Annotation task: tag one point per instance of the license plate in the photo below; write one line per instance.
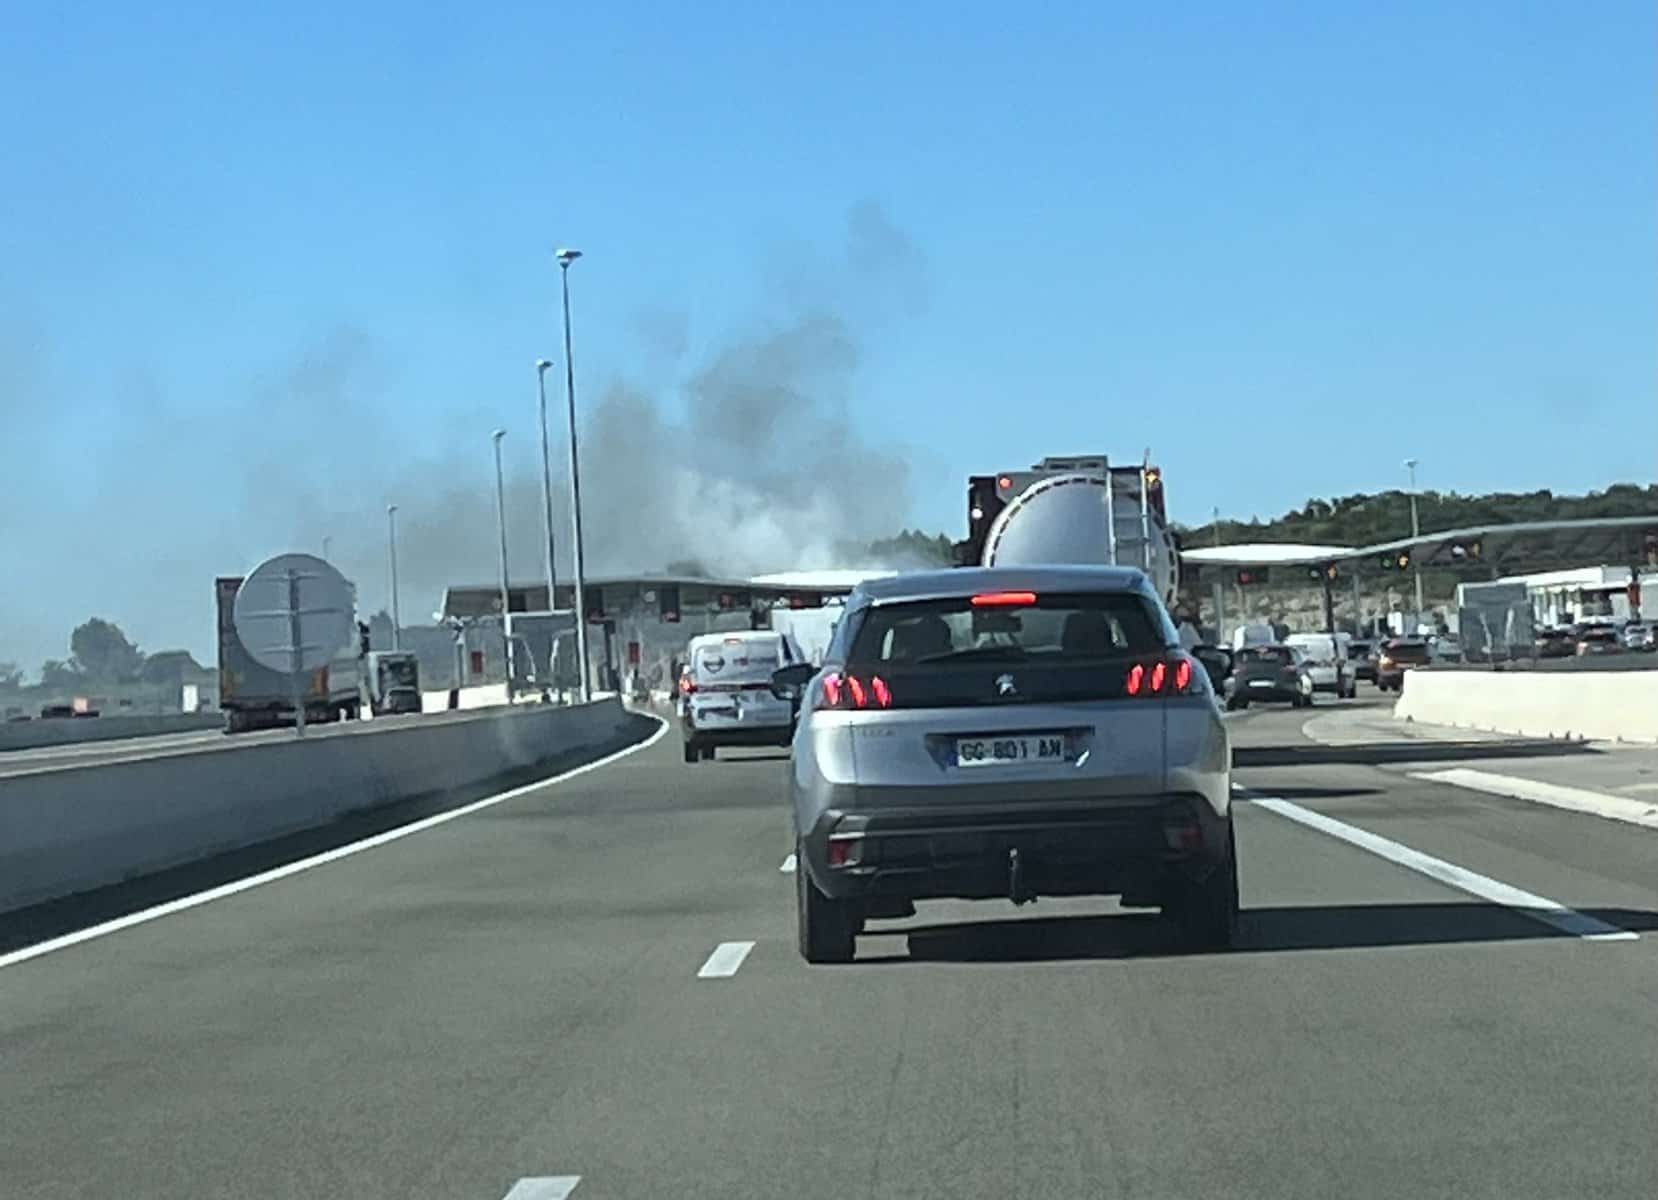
(1007, 751)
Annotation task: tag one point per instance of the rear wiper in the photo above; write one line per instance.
(976, 652)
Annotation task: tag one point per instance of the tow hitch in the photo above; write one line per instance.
(1017, 890)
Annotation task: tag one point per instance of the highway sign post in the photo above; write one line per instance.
(293, 614)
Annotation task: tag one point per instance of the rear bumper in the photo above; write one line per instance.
(1071, 848)
(737, 735)
(1247, 691)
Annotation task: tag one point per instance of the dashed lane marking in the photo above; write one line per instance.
(544, 1187)
(725, 961)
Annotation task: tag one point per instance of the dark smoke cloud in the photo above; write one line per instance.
(742, 456)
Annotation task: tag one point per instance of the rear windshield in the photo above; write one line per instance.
(1272, 655)
(1407, 649)
(1055, 629)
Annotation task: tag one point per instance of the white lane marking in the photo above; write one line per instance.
(788, 865)
(544, 1187)
(1614, 808)
(1539, 908)
(726, 959)
(197, 899)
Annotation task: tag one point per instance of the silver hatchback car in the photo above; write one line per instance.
(1007, 732)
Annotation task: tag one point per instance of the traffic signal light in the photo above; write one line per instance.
(595, 603)
(1395, 562)
(1249, 576)
(667, 600)
(1154, 492)
(1467, 551)
(1327, 571)
(984, 502)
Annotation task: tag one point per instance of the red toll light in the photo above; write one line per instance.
(1004, 482)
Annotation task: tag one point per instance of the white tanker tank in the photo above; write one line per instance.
(1083, 510)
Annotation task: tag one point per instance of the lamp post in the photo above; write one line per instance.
(391, 543)
(501, 528)
(584, 692)
(541, 367)
(1415, 532)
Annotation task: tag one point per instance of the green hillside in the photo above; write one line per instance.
(1363, 520)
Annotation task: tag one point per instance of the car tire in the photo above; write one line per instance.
(693, 752)
(1237, 704)
(708, 754)
(827, 929)
(1207, 910)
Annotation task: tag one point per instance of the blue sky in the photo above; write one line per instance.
(265, 272)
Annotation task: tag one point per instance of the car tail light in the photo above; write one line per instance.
(686, 685)
(850, 691)
(1004, 599)
(1170, 676)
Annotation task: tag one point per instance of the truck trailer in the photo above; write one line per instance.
(253, 696)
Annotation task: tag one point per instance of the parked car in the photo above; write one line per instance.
(1327, 662)
(1363, 655)
(1270, 673)
(1599, 639)
(1554, 643)
(1007, 733)
(1445, 647)
(1638, 635)
(1399, 655)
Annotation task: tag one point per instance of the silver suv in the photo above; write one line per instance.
(1007, 732)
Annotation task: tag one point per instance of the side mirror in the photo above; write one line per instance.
(788, 682)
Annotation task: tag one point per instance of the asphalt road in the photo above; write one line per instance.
(515, 994)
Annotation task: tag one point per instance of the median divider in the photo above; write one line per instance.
(83, 827)
(1601, 706)
(64, 731)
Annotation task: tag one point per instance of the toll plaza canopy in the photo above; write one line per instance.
(1502, 548)
(612, 595)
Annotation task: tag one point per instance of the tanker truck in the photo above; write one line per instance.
(1072, 510)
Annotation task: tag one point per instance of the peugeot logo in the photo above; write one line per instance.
(1004, 686)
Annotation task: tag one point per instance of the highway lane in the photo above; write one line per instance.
(515, 994)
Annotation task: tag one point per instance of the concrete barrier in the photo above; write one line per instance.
(63, 731)
(1606, 706)
(71, 830)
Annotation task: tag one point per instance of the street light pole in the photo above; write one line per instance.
(501, 527)
(584, 692)
(1415, 532)
(541, 367)
(391, 542)
(327, 545)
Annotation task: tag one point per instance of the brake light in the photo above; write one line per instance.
(1164, 677)
(1004, 599)
(848, 691)
(686, 685)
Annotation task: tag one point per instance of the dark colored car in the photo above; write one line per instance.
(1267, 673)
(1399, 655)
(1363, 656)
(1554, 643)
(1599, 639)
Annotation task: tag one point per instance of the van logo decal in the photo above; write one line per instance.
(713, 663)
(1004, 686)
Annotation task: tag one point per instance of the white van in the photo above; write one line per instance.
(1328, 661)
(725, 692)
